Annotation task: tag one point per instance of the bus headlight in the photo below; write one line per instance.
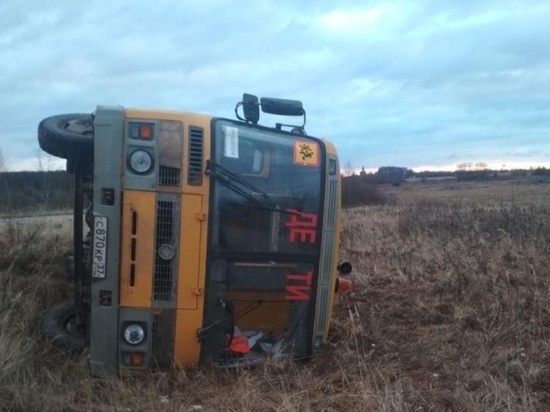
(140, 161)
(134, 334)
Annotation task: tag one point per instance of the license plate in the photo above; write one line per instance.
(100, 247)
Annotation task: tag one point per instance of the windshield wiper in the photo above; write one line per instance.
(229, 180)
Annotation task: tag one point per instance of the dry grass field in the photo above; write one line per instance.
(451, 312)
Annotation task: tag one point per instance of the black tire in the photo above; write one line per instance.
(69, 136)
(61, 328)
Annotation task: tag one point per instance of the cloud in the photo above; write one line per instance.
(390, 82)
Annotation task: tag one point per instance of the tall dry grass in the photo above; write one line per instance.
(457, 297)
(451, 312)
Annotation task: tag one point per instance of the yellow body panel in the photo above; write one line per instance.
(187, 348)
(194, 219)
(191, 279)
(137, 246)
(190, 288)
(192, 242)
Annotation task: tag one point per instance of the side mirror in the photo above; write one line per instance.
(282, 107)
(251, 108)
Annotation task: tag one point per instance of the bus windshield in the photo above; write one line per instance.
(267, 189)
(264, 247)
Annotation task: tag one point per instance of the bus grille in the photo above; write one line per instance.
(195, 153)
(166, 248)
(323, 306)
(169, 176)
(332, 196)
(162, 342)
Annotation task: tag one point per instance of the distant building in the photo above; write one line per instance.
(393, 174)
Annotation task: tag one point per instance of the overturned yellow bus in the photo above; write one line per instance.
(208, 240)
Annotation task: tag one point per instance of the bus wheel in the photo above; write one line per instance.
(62, 328)
(67, 135)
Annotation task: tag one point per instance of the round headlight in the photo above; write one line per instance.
(134, 334)
(141, 161)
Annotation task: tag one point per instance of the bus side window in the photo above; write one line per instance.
(259, 163)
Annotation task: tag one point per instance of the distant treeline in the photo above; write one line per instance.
(394, 174)
(30, 191)
(22, 192)
(540, 171)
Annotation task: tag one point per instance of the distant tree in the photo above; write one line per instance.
(462, 167)
(25, 191)
(469, 166)
(44, 164)
(357, 191)
(3, 165)
(348, 171)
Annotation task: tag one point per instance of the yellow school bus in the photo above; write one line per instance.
(205, 239)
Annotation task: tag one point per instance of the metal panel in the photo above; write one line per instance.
(108, 147)
(133, 180)
(128, 316)
(328, 265)
(170, 153)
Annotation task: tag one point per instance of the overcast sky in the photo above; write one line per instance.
(402, 83)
